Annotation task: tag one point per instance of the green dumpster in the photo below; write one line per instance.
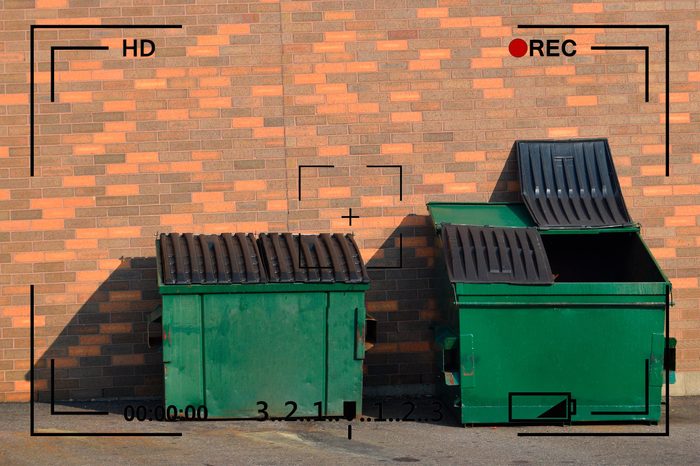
(267, 327)
(554, 308)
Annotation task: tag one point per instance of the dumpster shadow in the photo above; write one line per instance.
(507, 187)
(402, 299)
(103, 352)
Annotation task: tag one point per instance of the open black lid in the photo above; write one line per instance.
(571, 184)
(478, 254)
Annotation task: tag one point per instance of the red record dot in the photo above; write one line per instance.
(517, 47)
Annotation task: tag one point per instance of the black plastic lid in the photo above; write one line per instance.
(324, 258)
(571, 184)
(477, 254)
(210, 259)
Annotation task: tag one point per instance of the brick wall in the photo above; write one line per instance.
(206, 136)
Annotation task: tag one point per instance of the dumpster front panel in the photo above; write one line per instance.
(267, 348)
(601, 357)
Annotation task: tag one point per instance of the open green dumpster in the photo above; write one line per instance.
(554, 308)
(267, 327)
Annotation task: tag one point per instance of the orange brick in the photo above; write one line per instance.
(685, 221)
(21, 257)
(213, 40)
(77, 96)
(122, 190)
(499, 93)
(496, 31)
(277, 205)
(652, 170)
(202, 51)
(334, 108)
(400, 148)
(14, 99)
(109, 138)
(150, 84)
(267, 90)
(581, 100)
(176, 219)
(76, 181)
(248, 122)
(486, 62)
(387, 45)
(51, 3)
(123, 232)
(328, 151)
(406, 116)
(215, 102)
(563, 132)
(250, 185)
(119, 106)
(431, 54)
(474, 156)
(141, 157)
(432, 12)
(328, 47)
(455, 22)
(483, 21)
(272, 132)
(334, 192)
(415, 65)
(66, 212)
(361, 66)
(458, 188)
(663, 253)
(487, 83)
(438, 178)
(81, 243)
(675, 118)
(88, 149)
(310, 78)
(587, 7)
(125, 126)
(234, 29)
(686, 190)
(173, 114)
(404, 96)
(657, 190)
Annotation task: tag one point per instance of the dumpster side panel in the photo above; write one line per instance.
(599, 355)
(265, 347)
(182, 350)
(346, 319)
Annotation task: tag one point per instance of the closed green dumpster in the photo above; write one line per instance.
(262, 327)
(555, 308)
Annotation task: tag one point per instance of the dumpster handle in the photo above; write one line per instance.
(155, 316)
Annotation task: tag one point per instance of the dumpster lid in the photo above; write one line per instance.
(227, 258)
(478, 254)
(324, 258)
(571, 184)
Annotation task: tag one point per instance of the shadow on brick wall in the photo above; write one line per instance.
(103, 352)
(507, 187)
(403, 302)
